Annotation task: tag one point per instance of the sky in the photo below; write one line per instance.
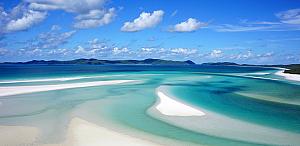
(241, 31)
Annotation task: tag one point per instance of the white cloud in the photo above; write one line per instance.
(80, 50)
(167, 53)
(145, 20)
(73, 6)
(19, 18)
(290, 16)
(93, 14)
(188, 26)
(61, 52)
(97, 44)
(117, 50)
(216, 53)
(148, 49)
(94, 18)
(90, 13)
(96, 48)
(246, 55)
(183, 51)
(249, 55)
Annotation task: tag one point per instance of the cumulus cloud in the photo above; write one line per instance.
(246, 55)
(90, 13)
(26, 21)
(216, 53)
(73, 6)
(82, 51)
(117, 50)
(145, 20)
(188, 26)
(166, 53)
(183, 51)
(58, 52)
(290, 16)
(19, 18)
(95, 18)
(95, 48)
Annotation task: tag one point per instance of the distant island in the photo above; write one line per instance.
(290, 68)
(107, 62)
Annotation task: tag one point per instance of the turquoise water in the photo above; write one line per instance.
(125, 107)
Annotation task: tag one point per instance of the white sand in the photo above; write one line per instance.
(294, 77)
(15, 90)
(170, 107)
(84, 133)
(48, 79)
(80, 133)
(17, 135)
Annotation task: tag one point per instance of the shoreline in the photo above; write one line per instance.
(16, 90)
(287, 76)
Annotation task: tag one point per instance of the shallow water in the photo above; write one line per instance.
(270, 104)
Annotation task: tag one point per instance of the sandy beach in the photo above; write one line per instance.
(18, 135)
(84, 133)
(171, 107)
(293, 77)
(15, 90)
(80, 133)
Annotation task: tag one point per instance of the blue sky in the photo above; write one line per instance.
(242, 31)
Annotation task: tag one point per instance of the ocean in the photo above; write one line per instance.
(242, 106)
